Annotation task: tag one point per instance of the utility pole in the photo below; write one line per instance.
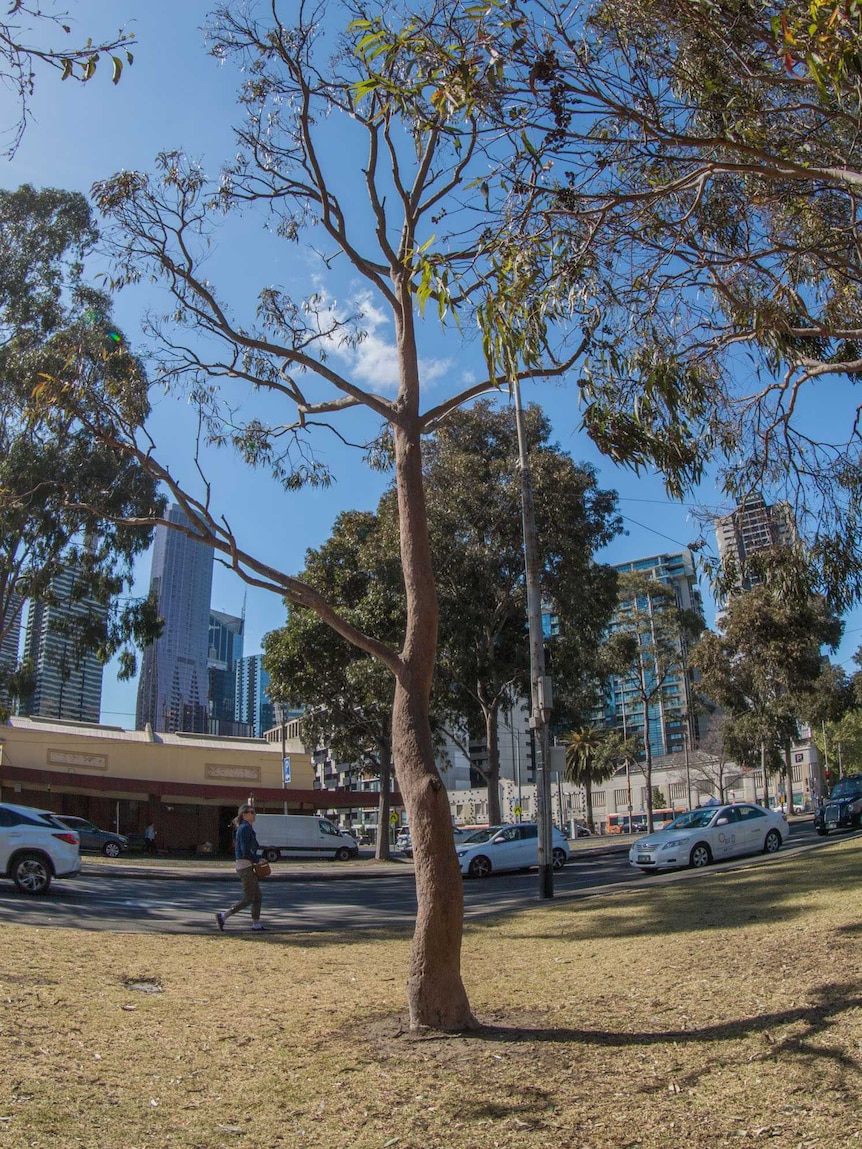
(540, 686)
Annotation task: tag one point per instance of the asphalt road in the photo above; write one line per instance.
(102, 901)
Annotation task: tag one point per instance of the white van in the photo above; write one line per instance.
(301, 836)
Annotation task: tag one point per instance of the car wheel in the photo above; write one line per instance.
(700, 856)
(560, 857)
(822, 833)
(31, 874)
(271, 855)
(773, 842)
(480, 867)
(111, 850)
(343, 855)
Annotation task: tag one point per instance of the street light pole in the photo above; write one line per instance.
(540, 686)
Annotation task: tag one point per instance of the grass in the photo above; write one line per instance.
(721, 1011)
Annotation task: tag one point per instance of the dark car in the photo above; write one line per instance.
(842, 810)
(92, 838)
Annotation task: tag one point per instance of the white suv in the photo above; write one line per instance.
(36, 847)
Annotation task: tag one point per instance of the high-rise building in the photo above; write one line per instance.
(671, 719)
(225, 651)
(10, 642)
(754, 526)
(68, 683)
(174, 682)
(253, 706)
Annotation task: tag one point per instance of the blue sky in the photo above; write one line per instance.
(175, 96)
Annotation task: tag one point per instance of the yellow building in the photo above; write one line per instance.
(188, 785)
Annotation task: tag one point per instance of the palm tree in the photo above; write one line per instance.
(582, 769)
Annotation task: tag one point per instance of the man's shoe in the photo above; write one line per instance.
(220, 921)
(258, 927)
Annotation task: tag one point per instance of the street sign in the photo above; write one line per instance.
(518, 811)
(285, 762)
(393, 819)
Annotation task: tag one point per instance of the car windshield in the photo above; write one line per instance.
(847, 788)
(482, 835)
(693, 820)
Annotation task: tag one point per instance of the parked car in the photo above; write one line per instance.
(842, 810)
(35, 847)
(710, 834)
(92, 838)
(512, 847)
(404, 842)
(482, 835)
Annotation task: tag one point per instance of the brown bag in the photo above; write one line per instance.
(262, 869)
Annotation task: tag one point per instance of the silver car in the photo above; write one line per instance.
(710, 834)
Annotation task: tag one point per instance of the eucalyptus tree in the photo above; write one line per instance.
(25, 49)
(345, 692)
(648, 651)
(696, 168)
(414, 221)
(64, 496)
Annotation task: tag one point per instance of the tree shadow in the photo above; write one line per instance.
(830, 1001)
(722, 900)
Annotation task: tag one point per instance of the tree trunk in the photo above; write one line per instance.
(765, 775)
(588, 799)
(492, 773)
(788, 779)
(436, 995)
(381, 850)
(435, 991)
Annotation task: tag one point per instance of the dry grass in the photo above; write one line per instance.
(723, 1011)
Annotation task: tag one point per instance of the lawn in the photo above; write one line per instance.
(721, 1011)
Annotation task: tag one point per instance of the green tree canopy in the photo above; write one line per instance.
(65, 498)
(347, 694)
(762, 667)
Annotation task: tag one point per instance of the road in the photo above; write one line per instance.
(174, 905)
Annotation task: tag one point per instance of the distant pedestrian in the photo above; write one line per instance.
(247, 854)
(150, 839)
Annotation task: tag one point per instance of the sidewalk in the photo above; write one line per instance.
(319, 870)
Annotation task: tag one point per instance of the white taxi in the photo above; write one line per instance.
(710, 834)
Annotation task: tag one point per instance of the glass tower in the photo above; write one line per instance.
(68, 682)
(174, 682)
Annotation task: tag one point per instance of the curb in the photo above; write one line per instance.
(315, 872)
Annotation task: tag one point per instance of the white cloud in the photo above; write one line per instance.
(373, 361)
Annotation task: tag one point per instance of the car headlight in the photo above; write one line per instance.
(673, 843)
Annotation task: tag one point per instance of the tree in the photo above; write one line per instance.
(21, 54)
(346, 693)
(412, 94)
(649, 648)
(712, 768)
(63, 497)
(761, 667)
(710, 152)
(584, 766)
(474, 512)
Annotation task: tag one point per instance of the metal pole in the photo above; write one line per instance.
(540, 693)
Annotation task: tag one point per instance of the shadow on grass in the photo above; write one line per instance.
(728, 899)
(830, 1002)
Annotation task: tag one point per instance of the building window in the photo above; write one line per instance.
(677, 791)
(599, 798)
(621, 799)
